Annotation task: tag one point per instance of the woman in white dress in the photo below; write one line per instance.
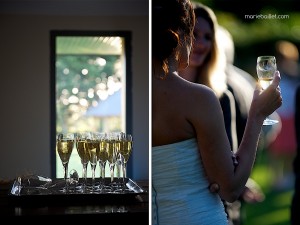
(190, 148)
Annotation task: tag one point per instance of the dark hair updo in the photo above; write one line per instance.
(168, 18)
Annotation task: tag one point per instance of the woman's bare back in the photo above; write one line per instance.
(180, 104)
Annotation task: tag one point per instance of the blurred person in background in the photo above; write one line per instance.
(208, 66)
(282, 150)
(239, 82)
(295, 216)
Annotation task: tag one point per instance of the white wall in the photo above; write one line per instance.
(25, 77)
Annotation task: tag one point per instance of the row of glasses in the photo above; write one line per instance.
(113, 148)
(88, 148)
(119, 148)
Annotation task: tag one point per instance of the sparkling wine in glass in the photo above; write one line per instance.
(93, 144)
(64, 148)
(266, 68)
(111, 155)
(102, 158)
(82, 149)
(125, 151)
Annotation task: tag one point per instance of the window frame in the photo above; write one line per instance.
(128, 84)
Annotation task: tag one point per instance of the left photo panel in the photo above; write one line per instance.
(76, 116)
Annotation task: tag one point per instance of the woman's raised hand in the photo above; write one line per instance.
(265, 102)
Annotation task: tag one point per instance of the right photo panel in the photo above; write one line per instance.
(225, 122)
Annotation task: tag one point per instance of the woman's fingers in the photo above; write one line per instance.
(276, 80)
(214, 188)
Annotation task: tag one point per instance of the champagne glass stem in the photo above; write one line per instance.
(102, 174)
(84, 175)
(65, 170)
(103, 170)
(118, 173)
(93, 167)
(112, 169)
(124, 176)
(124, 170)
(66, 175)
(118, 165)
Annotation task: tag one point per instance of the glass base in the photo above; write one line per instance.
(268, 122)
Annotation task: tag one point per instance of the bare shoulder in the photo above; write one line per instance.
(203, 103)
(200, 94)
(204, 91)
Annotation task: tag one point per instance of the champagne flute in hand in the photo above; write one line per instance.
(64, 148)
(266, 68)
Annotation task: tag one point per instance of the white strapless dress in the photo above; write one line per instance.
(180, 193)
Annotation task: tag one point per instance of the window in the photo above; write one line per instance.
(90, 87)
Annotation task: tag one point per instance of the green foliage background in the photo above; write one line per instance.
(253, 37)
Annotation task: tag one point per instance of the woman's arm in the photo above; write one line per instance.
(214, 145)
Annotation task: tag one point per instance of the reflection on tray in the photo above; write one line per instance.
(37, 185)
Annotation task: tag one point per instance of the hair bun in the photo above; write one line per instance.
(166, 44)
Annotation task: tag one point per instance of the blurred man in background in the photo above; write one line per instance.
(283, 148)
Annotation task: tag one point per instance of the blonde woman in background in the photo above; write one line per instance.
(208, 64)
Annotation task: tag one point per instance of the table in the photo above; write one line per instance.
(37, 209)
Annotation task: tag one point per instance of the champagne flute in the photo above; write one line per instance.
(125, 151)
(111, 155)
(64, 148)
(102, 158)
(266, 68)
(118, 164)
(82, 149)
(93, 144)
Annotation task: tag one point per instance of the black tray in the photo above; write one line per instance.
(51, 193)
